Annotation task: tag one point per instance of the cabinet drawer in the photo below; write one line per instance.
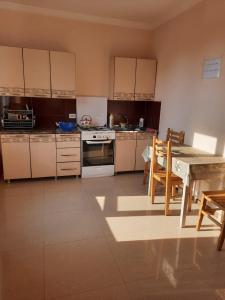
(68, 168)
(128, 135)
(68, 154)
(71, 144)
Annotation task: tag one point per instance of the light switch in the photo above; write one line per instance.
(72, 116)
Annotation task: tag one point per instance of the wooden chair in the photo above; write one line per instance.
(162, 150)
(217, 199)
(176, 137)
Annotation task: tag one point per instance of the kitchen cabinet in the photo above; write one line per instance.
(134, 79)
(16, 156)
(68, 154)
(11, 71)
(125, 151)
(43, 155)
(124, 78)
(143, 139)
(37, 73)
(129, 149)
(62, 74)
(145, 79)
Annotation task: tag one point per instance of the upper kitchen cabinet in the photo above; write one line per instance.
(11, 71)
(37, 73)
(124, 78)
(62, 74)
(145, 79)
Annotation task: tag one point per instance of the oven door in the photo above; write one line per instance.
(98, 153)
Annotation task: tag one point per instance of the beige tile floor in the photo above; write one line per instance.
(101, 238)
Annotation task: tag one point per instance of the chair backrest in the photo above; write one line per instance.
(161, 150)
(176, 137)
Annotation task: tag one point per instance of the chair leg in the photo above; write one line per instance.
(174, 192)
(221, 237)
(167, 198)
(200, 215)
(153, 186)
(146, 172)
(190, 196)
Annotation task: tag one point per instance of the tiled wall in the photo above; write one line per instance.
(47, 111)
(134, 110)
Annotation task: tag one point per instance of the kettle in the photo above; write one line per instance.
(86, 120)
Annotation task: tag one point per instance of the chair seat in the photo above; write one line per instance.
(161, 177)
(216, 197)
(211, 202)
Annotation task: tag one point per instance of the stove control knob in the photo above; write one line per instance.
(94, 136)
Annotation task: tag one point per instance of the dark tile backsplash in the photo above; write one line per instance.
(47, 111)
(134, 110)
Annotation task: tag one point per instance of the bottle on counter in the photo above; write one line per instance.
(111, 120)
(141, 122)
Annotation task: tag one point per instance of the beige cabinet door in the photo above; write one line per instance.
(143, 139)
(62, 74)
(37, 73)
(125, 155)
(139, 163)
(124, 78)
(16, 156)
(145, 79)
(11, 71)
(43, 155)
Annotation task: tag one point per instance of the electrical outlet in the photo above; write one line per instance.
(72, 116)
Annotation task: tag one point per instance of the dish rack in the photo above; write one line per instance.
(16, 119)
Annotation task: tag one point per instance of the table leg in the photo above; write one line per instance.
(184, 205)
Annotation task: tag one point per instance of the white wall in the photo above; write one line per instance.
(189, 102)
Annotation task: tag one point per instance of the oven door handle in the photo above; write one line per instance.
(98, 142)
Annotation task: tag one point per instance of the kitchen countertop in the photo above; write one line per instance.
(37, 131)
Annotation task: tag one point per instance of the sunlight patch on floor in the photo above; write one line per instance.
(153, 227)
(101, 201)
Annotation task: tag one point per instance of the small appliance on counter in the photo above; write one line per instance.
(18, 119)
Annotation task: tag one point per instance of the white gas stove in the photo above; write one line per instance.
(97, 152)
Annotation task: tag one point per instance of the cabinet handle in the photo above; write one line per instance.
(68, 154)
(68, 169)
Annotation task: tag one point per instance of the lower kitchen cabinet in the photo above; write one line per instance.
(68, 154)
(43, 155)
(143, 139)
(68, 168)
(125, 151)
(129, 149)
(16, 156)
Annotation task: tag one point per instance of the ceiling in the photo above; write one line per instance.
(146, 14)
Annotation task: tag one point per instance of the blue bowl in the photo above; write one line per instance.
(67, 126)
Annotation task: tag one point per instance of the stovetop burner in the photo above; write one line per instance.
(95, 128)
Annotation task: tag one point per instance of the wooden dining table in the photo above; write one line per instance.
(191, 164)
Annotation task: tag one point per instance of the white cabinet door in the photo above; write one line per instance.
(124, 78)
(62, 74)
(125, 155)
(11, 71)
(145, 79)
(43, 155)
(15, 156)
(37, 73)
